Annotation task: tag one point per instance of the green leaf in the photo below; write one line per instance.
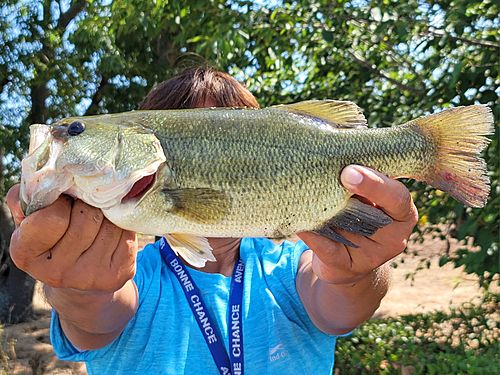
(443, 260)
(456, 73)
(327, 35)
(488, 96)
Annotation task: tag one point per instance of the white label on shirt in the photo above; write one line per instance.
(278, 353)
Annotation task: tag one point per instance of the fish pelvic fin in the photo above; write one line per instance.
(459, 135)
(193, 249)
(338, 113)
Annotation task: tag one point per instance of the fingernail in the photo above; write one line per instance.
(351, 176)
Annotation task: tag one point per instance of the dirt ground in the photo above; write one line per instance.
(29, 350)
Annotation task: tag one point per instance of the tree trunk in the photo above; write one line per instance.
(16, 287)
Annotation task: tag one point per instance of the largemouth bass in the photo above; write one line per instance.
(191, 174)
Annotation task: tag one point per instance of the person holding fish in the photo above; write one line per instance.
(214, 294)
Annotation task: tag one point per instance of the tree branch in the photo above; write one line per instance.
(476, 42)
(38, 112)
(380, 73)
(396, 56)
(165, 48)
(46, 13)
(71, 13)
(97, 97)
(3, 83)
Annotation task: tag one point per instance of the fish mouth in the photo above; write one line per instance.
(140, 188)
(41, 182)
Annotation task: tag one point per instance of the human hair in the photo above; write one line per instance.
(199, 87)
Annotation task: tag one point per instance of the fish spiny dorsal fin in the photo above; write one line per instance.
(338, 113)
(193, 249)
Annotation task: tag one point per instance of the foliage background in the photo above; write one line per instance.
(397, 60)
(463, 341)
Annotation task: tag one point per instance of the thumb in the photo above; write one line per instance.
(12, 200)
(391, 195)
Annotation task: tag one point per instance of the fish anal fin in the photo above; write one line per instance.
(338, 113)
(360, 218)
(331, 233)
(200, 205)
(193, 249)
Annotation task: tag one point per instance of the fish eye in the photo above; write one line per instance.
(76, 128)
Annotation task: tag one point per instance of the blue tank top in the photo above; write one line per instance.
(164, 338)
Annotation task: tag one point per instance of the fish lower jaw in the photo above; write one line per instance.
(112, 192)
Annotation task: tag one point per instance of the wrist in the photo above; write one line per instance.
(338, 277)
(94, 311)
(57, 296)
(77, 305)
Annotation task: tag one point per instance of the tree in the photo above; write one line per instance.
(398, 60)
(63, 58)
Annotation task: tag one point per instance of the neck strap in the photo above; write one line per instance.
(231, 364)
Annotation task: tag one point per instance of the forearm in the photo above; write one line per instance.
(91, 320)
(345, 306)
(339, 308)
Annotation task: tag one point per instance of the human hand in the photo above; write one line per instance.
(336, 263)
(70, 244)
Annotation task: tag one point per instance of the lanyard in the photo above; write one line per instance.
(227, 365)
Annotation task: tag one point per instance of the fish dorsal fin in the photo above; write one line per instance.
(338, 113)
(193, 249)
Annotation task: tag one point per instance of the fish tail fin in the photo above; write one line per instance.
(459, 135)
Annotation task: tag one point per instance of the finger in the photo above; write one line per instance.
(84, 225)
(126, 250)
(342, 264)
(113, 274)
(41, 230)
(329, 251)
(391, 195)
(106, 242)
(124, 257)
(14, 204)
(320, 243)
(394, 235)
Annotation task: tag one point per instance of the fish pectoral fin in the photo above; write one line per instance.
(193, 249)
(338, 113)
(356, 217)
(203, 205)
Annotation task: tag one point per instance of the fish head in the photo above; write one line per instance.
(96, 159)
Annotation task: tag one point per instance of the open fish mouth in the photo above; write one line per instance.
(140, 188)
(41, 184)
